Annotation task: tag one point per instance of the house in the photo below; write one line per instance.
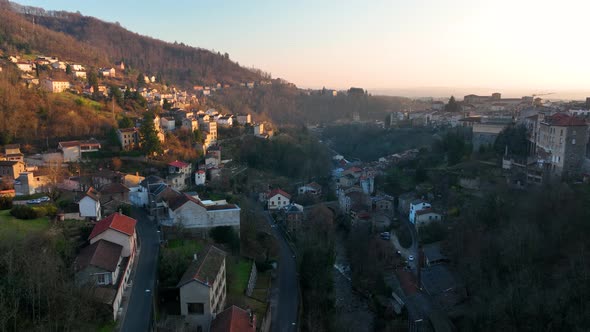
(278, 199)
(179, 174)
(117, 228)
(416, 206)
(244, 119)
(259, 129)
(102, 267)
(200, 216)
(25, 66)
(561, 144)
(89, 205)
(293, 216)
(167, 123)
(200, 177)
(29, 183)
(426, 216)
(54, 86)
(112, 196)
(203, 288)
(234, 319)
(10, 170)
(120, 65)
(225, 121)
(107, 72)
(99, 263)
(72, 150)
(128, 137)
(12, 153)
(191, 124)
(312, 188)
(79, 74)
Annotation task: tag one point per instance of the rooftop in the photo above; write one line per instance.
(205, 268)
(115, 221)
(233, 319)
(102, 254)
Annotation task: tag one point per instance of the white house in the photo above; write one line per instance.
(310, 188)
(200, 177)
(203, 288)
(416, 206)
(278, 199)
(167, 123)
(426, 216)
(201, 216)
(117, 228)
(89, 205)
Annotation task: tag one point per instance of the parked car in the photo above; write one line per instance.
(44, 199)
(33, 201)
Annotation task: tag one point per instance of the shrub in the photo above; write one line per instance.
(5, 203)
(23, 212)
(226, 235)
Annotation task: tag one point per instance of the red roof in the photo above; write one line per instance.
(178, 164)
(277, 192)
(564, 120)
(233, 319)
(115, 221)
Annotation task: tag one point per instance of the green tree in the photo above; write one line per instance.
(125, 122)
(150, 143)
(68, 69)
(93, 80)
(514, 138)
(452, 105)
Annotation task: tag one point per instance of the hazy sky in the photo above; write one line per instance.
(501, 44)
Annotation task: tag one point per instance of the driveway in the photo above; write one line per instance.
(139, 315)
(285, 297)
(413, 249)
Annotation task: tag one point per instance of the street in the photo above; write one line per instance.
(139, 315)
(285, 297)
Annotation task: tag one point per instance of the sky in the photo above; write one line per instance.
(504, 45)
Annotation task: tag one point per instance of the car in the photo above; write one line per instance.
(33, 201)
(399, 253)
(411, 258)
(44, 199)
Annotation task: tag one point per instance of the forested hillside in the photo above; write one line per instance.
(91, 41)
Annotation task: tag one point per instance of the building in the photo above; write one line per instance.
(12, 153)
(199, 216)
(107, 72)
(200, 177)
(426, 216)
(167, 123)
(561, 144)
(72, 150)
(29, 183)
(234, 319)
(416, 206)
(179, 174)
(54, 86)
(10, 170)
(117, 228)
(129, 138)
(259, 129)
(25, 66)
(203, 288)
(244, 119)
(278, 199)
(99, 264)
(89, 205)
(312, 188)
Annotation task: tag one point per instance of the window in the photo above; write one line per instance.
(196, 308)
(101, 279)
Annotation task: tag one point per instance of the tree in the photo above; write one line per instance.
(125, 122)
(514, 138)
(150, 143)
(452, 105)
(68, 69)
(140, 81)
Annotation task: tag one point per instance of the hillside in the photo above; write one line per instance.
(91, 41)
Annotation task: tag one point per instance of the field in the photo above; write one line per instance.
(11, 227)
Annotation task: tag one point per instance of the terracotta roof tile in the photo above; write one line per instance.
(277, 192)
(233, 319)
(205, 268)
(115, 221)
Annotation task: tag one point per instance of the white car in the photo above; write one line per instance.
(44, 199)
(411, 258)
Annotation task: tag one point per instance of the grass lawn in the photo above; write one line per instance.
(11, 227)
(238, 272)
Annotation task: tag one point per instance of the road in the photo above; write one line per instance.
(285, 297)
(138, 316)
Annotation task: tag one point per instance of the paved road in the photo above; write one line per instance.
(138, 316)
(285, 298)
